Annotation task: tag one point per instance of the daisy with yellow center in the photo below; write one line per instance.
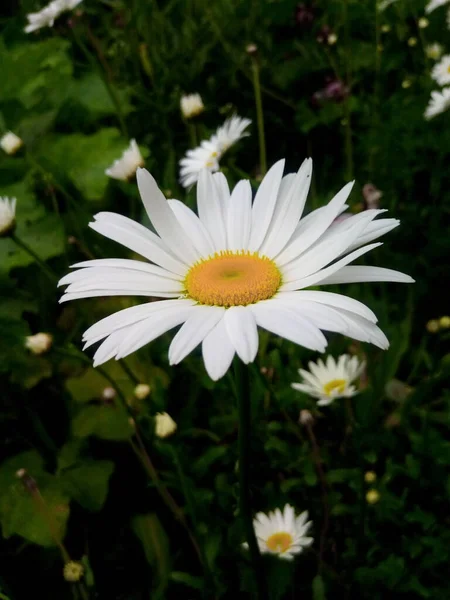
(331, 380)
(238, 265)
(282, 533)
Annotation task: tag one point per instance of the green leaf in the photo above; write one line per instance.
(88, 483)
(196, 583)
(318, 588)
(155, 544)
(106, 422)
(31, 461)
(91, 92)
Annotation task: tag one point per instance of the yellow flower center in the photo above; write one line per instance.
(335, 384)
(233, 279)
(448, 69)
(279, 542)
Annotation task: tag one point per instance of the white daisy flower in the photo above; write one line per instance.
(330, 380)
(7, 215)
(441, 71)
(439, 103)
(236, 266)
(47, 16)
(434, 51)
(191, 105)
(125, 167)
(282, 533)
(384, 4)
(10, 143)
(433, 4)
(208, 154)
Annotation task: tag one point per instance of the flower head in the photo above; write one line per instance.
(282, 533)
(39, 343)
(125, 167)
(433, 4)
(164, 425)
(439, 103)
(207, 155)
(142, 390)
(191, 105)
(47, 16)
(434, 51)
(370, 476)
(10, 143)
(73, 571)
(372, 497)
(7, 215)
(441, 70)
(236, 266)
(330, 380)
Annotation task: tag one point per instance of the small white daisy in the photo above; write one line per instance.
(233, 268)
(441, 71)
(282, 533)
(126, 166)
(191, 105)
(434, 51)
(208, 154)
(330, 380)
(10, 143)
(7, 215)
(47, 16)
(439, 103)
(433, 4)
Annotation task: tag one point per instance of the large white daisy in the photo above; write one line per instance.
(282, 533)
(439, 103)
(236, 266)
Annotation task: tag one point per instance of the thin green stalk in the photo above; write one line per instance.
(193, 139)
(348, 124)
(242, 380)
(259, 116)
(45, 269)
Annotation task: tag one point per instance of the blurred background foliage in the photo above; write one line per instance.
(113, 70)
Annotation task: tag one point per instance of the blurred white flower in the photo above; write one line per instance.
(434, 51)
(330, 380)
(7, 215)
(384, 4)
(207, 155)
(282, 533)
(433, 4)
(47, 16)
(10, 142)
(441, 71)
(191, 105)
(126, 166)
(39, 343)
(439, 103)
(164, 425)
(142, 390)
(423, 22)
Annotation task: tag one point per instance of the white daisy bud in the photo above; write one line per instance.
(7, 215)
(39, 343)
(108, 393)
(164, 425)
(191, 105)
(10, 143)
(126, 166)
(141, 391)
(305, 417)
(434, 51)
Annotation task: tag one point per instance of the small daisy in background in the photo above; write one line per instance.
(439, 103)
(7, 215)
(282, 533)
(208, 154)
(10, 143)
(191, 105)
(433, 4)
(331, 380)
(126, 166)
(441, 71)
(434, 51)
(47, 16)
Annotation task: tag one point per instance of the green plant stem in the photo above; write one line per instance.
(132, 377)
(193, 139)
(347, 109)
(44, 268)
(242, 386)
(259, 116)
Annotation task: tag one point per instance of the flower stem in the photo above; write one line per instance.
(242, 388)
(259, 116)
(45, 269)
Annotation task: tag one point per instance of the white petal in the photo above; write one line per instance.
(241, 327)
(108, 349)
(331, 299)
(194, 331)
(130, 292)
(288, 210)
(218, 351)
(264, 205)
(163, 219)
(119, 279)
(355, 274)
(278, 319)
(210, 210)
(135, 265)
(374, 230)
(223, 191)
(239, 216)
(193, 227)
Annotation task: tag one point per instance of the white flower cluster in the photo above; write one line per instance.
(47, 16)
(440, 99)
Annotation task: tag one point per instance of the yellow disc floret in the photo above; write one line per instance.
(279, 542)
(233, 279)
(335, 384)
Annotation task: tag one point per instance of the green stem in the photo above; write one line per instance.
(45, 269)
(242, 380)
(347, 109)
(193, 140)
(259, 116)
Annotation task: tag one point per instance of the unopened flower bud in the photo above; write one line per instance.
(305, 417)
(39, 343)
(332, 39)
(164, 425)
(251, 49)
(73, 571)
(108, 393)
(10, 143)
(28, 482)
(385, 28)
(142, 390)
(372, 496)
(444, 322)
(412, 41)
(432, 326)
(7, 216)
(370, 477)
(423, 23)
(191, 105)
